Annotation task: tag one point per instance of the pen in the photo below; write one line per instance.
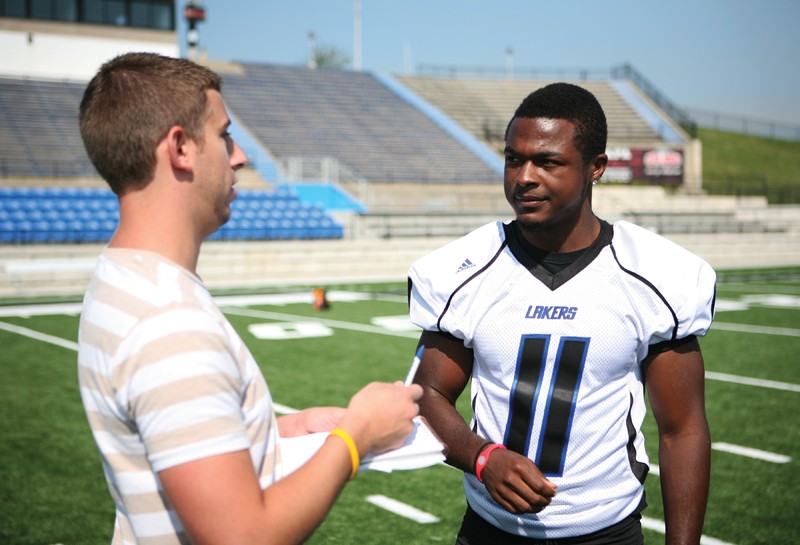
(414, 365)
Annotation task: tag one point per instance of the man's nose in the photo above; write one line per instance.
(238, 157)
(527, 173)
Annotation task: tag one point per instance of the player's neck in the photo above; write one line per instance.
(564, 236)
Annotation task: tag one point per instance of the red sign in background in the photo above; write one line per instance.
(657, 166)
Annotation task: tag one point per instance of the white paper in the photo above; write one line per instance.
(420, 449)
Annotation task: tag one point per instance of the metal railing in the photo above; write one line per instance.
(315, 169)
(745, 125)
(582, 74)
(688, 118)
(626, 71)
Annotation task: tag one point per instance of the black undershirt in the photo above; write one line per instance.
(553, 262)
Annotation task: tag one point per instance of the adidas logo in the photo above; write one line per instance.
(467, 264)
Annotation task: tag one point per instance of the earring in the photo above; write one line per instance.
(594, 182)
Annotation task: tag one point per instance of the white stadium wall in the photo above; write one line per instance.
(73, 52)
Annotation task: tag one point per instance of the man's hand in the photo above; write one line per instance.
(516, 484)
(379, 417)
(311, 420)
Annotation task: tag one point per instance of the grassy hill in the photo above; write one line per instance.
(740, 164)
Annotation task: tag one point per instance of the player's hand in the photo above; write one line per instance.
(516, 484)
(379, 417)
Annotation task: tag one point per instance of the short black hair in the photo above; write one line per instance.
(575, 104)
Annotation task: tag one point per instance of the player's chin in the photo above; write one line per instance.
(528, 225)
(528, 220)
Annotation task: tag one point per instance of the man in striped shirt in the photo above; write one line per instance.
(179, 409)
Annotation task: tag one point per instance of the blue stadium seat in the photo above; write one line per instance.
(273, 228)
(107, 228)
(259, 229)
(24, 231)
(40, 231)
(8, 231)
(75, 214)
(74, 230)
(58, 231)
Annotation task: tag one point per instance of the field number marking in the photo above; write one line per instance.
(289, 330)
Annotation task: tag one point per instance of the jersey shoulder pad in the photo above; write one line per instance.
(458, 260)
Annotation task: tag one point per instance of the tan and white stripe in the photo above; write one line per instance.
(165, 380)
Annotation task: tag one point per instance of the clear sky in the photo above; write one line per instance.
(739, 57)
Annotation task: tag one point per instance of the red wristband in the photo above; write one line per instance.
(483, 459)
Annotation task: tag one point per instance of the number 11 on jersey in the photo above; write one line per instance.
(560, 402)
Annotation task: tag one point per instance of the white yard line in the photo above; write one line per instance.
(402, 509)
(658, 526)
(739, 450)
(752, 453)
(44, 337)
(53, 309)
(764, 330)
(747, 381)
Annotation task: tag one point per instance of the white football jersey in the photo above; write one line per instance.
(557, 374)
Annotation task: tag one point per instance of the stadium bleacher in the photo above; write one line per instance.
(39, 133)
(352, 116)
(484, 106)
(86, 215)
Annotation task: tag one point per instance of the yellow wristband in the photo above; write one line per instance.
(355, 459)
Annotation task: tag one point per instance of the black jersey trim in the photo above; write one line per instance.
(650, 285)
(526, 254)
(639, 469)
(663, 346)
(470, 279)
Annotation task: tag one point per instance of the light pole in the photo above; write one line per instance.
(357, 35)
(509, 63)
(194, 13)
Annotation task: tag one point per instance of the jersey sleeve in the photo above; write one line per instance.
(436, 277)
(696, 311)
(684, 282)
(181, 387)
(425, 301)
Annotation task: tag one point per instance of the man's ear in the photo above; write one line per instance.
(179, 149)
(599, 164)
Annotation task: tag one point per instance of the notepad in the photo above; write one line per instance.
(422, 448)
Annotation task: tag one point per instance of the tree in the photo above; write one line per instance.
(328, 56)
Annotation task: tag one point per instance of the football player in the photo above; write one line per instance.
(558, 320)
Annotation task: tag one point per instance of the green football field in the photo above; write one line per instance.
(52, 488)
